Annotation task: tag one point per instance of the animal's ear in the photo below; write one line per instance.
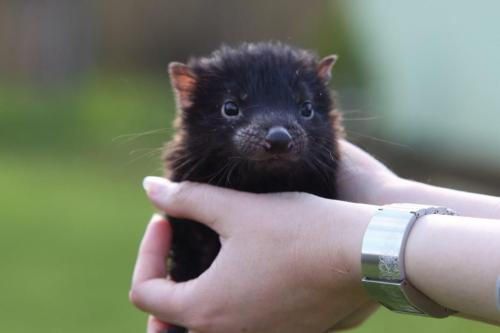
(325, 67)
(183, 82)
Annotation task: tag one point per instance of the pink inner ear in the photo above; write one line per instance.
(183, 89)
(325, 67)
(183, 82)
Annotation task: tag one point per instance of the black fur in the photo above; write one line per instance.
(270, 82)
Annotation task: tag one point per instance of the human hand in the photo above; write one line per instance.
(361, 177)
(289, 262)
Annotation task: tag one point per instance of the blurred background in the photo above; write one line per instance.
(85, 107)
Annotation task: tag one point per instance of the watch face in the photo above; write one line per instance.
(382, 257)
(388, 268)
(383, 243)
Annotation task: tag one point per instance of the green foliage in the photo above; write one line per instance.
(89, 116)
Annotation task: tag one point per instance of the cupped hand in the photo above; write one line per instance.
(289, 262)
(361, 177)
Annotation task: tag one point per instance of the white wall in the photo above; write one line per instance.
(434, 70)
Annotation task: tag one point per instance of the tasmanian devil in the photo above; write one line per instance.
(257, 118)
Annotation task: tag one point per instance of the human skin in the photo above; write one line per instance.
(277, 273)
(364, 179)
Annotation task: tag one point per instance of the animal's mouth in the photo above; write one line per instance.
(264, 156)
(281, 157)
(275, 161)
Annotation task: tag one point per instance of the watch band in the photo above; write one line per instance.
(382, 260)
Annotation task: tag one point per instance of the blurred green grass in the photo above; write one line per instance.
(73, 212)
(68, 239)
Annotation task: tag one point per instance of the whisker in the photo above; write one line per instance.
(374, 138)
(135, 151)
(228, 176)
(147, 154)
(352, 111)
(362, 118)
(214, 175)
(188, 173)
(125, 138)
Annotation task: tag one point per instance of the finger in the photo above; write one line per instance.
(153, 250)
(200, 202)
(359, 158)
(166, 300)
(351, 157)
(347, 147)
(151, 291)
(155, 325)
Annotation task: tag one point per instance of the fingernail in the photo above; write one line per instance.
(155, 187)
(156, 218)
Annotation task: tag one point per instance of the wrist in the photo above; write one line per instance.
(383, 259)
(354, 219)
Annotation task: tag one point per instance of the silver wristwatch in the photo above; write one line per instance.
(382, 260)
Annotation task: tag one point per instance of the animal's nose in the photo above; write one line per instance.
(278, 140)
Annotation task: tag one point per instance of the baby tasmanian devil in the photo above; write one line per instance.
(257, 118)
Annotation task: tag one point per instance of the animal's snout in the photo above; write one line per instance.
(278, 140)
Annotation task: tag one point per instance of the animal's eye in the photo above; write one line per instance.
(230, 109)
(307, 110)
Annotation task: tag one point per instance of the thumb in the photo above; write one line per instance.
(200, 202)
(151, 291)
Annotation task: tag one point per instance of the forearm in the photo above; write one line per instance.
(466, 204)
(454, 260)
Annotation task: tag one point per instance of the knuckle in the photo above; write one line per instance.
(135, 298)
(204, 320)
(182, 194)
